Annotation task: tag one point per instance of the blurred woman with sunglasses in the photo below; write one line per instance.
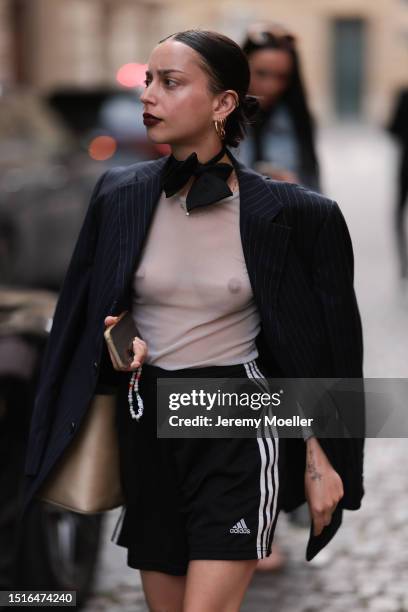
(281, 141)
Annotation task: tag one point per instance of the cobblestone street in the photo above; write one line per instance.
(364, 567)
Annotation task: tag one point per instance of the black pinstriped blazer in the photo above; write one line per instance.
(299, 259)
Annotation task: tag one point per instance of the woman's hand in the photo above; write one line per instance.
(323, 486)
(139, 350)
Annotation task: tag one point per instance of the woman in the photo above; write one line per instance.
(281, 142)
(207, 256)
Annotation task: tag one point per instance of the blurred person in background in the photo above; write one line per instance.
(281, 140)
(398, 127)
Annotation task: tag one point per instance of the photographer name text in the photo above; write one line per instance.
(271, 421)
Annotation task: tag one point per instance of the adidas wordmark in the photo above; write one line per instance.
(240, 527)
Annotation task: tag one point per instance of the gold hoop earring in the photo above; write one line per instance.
(220, 127)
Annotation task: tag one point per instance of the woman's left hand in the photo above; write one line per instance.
(323, 486)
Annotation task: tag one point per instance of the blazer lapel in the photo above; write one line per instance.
(264, 241)
(137, 201)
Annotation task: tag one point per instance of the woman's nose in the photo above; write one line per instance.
(146, 95)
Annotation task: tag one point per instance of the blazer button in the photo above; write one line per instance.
(73, 426)
(95, 365)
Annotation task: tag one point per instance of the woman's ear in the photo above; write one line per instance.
(225, 104)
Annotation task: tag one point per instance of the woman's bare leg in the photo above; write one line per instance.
(275, 562)
(163, 592)
(218, 586)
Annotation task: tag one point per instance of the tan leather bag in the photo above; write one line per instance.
(86, 479)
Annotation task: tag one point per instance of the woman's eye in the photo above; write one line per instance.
(167, 82)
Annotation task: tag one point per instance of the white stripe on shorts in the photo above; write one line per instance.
(269, 466)
(118, 526)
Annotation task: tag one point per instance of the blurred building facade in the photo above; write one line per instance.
(355, 52)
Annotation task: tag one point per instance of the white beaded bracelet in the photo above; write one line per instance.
(134, 388)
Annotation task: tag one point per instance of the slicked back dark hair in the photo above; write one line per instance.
(227, 68)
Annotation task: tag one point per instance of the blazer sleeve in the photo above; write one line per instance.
(68, 322)
(71, 305)
(333, 280)
(333, 276)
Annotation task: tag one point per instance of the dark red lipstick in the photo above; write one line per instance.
(150, 120)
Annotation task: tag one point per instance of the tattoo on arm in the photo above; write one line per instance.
(311, 467)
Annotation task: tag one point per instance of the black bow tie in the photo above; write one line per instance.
(209, 186)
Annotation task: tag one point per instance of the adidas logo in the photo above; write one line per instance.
(240, 527)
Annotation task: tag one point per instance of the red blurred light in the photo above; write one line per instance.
(131, 75)
(102, 148)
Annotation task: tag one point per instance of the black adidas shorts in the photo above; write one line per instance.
(200, 498)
